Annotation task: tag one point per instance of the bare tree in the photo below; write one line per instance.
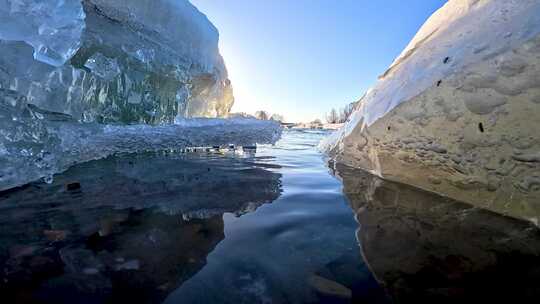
(277, 117)
(240, 115)
(262, 115)
(316, 124)
(346, 112)
(342, 116)
(332, 116)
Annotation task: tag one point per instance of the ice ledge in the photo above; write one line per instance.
(34, 148)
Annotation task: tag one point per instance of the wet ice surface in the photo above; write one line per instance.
(274, 227)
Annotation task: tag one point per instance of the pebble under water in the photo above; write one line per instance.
(277, 226)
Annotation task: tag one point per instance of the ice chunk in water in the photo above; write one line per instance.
(37, 144)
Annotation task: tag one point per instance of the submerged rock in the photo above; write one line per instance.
(467, 126)
(329, 288)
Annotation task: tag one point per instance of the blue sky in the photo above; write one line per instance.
(300, 58)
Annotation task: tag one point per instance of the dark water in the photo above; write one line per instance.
(274, 227)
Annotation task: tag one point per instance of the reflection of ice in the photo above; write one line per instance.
(191, 184)
(152, 217)
(422, 246)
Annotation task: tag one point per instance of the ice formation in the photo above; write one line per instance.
(118, 61)
(37, 143)
(81, 79)
(461, 33)
(458, 108)
(52, 27)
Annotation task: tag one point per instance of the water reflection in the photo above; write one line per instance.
(299, 249)
(150, 228)
(125, 229)
(423, 247)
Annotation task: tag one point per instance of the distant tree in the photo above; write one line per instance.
(316, 124)
(240, 115)
(332, 116)
(277, 117)
(262, 115)
(346, 112)
(341, 116)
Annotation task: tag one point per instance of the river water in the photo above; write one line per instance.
(275, 226)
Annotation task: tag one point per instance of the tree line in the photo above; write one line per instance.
(262, 115)
(340, 115)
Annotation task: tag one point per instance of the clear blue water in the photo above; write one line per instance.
(277, 226)
(271, 255)
(270, 227)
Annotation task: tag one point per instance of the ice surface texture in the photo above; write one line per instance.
(114, 61)
(459, 34)
(82, 79)
(52, 27)
(35, 143)
(458, 111)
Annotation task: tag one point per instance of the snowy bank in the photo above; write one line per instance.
(458, 111)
